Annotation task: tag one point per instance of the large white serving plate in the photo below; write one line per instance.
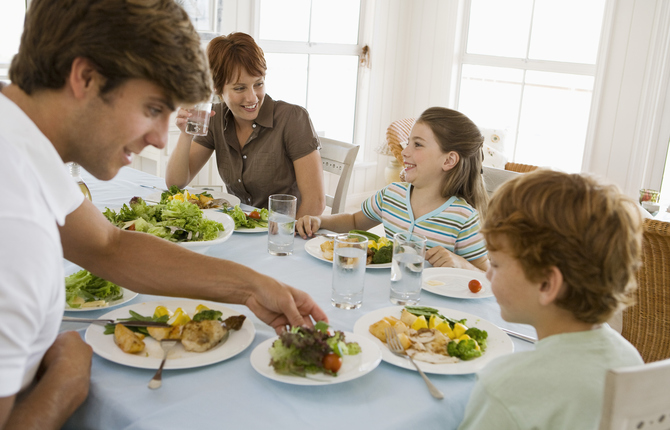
(228, 226)
(233, 200)
(178, 358)
(313, 248)
(353, 366)
(498, 342)
(450, 282)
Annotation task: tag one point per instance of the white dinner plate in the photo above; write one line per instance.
(313, 248)
(450, 282)
(228, 228)
(353, 366)
(251, 230)
(128, 295)
(178, 358)
(498, 343)
(233, 200)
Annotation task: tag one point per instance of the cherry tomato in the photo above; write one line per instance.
(255, 215)
(332, 362)
(475, 286)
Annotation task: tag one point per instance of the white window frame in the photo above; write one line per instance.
(524, 64)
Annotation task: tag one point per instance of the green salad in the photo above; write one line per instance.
(84, 289)
(175, 221)
(256, 218)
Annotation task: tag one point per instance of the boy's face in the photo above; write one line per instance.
(516, 295)
(130, 118)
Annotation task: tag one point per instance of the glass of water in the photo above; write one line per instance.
(281, 223)
(350, 252)
(198, 123)
(409, 251)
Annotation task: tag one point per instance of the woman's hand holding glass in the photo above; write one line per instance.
(182, 118)
(307, 225)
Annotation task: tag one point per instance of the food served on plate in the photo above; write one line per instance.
(254, 219)
(475, 286)
(428, 336)
(85, 290)
(175, 221)
(380, 249)
(303, 350)
(199, 334)
(203, 200)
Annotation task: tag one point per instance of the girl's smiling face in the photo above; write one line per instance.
(424, 160)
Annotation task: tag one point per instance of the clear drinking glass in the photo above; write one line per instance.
(198, 123)
(409, 251)
(281, 223)
(349, 257)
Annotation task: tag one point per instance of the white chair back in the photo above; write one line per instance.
(493, 178)
(338, 158)
(637, 397)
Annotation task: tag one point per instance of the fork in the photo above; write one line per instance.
(167, 345)
(396, 348)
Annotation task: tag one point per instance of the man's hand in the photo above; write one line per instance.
(279, 305)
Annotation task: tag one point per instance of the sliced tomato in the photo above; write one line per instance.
(255, 215)
(332, 362)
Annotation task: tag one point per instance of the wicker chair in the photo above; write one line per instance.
(521, 168)
(397, 133)
(647, 324)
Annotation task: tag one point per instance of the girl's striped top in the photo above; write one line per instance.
(454, 225)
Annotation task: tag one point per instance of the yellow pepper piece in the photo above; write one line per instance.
(161, 311)
(459, 329)
(179, 318)
(372, 244)
(201, 308)
(446, 330)
(420, 323)
(464, 337)
(434, 321)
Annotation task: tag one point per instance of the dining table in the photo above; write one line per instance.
(232, 394)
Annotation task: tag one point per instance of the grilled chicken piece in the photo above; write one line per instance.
(128, 340)
(160, 333)
(200, 336)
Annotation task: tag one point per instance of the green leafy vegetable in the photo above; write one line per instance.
(479, 335)
(134, 316)
(464, 349)
(367, 234)
(243, 220)
(427, 312)
(383, 255)
(208, 314)
(85, 285)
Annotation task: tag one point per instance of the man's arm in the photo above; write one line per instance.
(309, 177)
(150, 265)
(61, 387)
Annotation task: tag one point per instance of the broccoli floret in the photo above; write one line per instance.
(479, 335)
(465, 349)
(383, 255)
(207, 314)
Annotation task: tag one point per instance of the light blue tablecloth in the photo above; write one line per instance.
(231, 394)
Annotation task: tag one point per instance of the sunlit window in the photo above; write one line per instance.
(11, 27)
(311, 48)
(529, 70)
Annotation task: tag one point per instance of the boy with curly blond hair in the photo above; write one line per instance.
(564, 249)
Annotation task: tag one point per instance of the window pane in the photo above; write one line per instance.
(490, 97)
(11, 27)
(335, 21)
(201, 13)
(286, 78)
(332, 95)
(285, 20)
(554, 117)
(568, 30)
(497, 28)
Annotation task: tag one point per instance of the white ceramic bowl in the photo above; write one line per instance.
(228, 225)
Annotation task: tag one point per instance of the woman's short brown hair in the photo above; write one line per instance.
(229, 55)
(124, 39)
(588, 229)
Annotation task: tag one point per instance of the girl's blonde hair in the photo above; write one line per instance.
(456, 132)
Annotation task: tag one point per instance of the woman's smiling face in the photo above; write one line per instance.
(244, 97)
(424, 159)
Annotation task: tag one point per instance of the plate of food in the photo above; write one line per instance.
(456, 283)
(254, 221)
(350, 357)
(86, 292)
(179, 313)
(430, 343)
(205, 199)
(321, 248)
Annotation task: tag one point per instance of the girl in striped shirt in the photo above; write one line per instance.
(443, 197)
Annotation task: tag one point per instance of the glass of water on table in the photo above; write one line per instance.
(409, 251)
(281, 223)
(350, 253)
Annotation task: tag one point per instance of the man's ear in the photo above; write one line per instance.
(83, 78)
(451, 160)
(551, 287)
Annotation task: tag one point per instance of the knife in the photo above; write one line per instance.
(519, 335)
(105, 322)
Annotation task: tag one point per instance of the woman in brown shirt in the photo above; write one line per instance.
(262, 146)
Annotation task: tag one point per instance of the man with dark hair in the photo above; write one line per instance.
(94, 82)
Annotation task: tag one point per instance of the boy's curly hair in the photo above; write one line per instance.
(588, 229)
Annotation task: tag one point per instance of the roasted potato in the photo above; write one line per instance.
(128, 340)
(377, 329)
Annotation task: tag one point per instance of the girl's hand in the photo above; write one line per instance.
(307, 226)
(441, 257)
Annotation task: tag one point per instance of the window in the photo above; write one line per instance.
(529, 69)
(312, 52)
(11, 27)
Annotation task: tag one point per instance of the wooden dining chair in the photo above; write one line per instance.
(338, 158)
(647, 323)
(637, 397)
(397, 133)
(521, 168)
